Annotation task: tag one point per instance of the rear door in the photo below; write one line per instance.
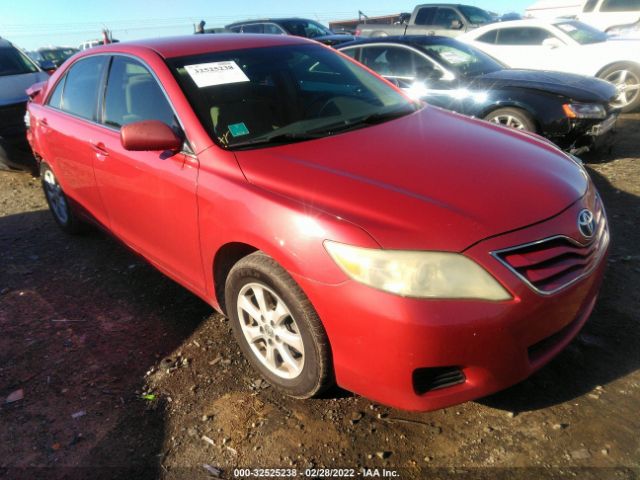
(412, 71)
(611, 13)
(150, 196)
(67, 126)
(522, 47)
(423, 21)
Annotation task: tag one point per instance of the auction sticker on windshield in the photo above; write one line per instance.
(216, 73)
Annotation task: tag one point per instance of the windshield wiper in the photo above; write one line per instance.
(360, 122)
(325, 130)
(277, 138)
(380, 117)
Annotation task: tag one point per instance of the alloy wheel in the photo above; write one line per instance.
(270, 330)
(56, 198)
(508, 121)
(628, 85)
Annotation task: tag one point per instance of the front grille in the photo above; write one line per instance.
(428, 379)
(554, 263)
(12, 118)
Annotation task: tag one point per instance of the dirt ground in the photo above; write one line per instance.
(125, 374)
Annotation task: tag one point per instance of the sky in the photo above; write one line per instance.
(31, 24)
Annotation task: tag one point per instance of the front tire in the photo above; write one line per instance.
(626, 77)
(58, 202)
(277, 328)
(512, 117)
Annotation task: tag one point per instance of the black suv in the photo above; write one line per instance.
(300, 27)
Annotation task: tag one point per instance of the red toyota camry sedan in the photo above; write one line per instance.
(414, 256)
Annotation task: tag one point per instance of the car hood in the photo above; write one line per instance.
(577, 87)
(430, 180)
(13, 87)
(334, 39)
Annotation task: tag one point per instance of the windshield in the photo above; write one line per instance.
(254, 97)
(581, 32)
(58, 55)
(476, 15)
(305, 28)
(14, 62)
(464, 60)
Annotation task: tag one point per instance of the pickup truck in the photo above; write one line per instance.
(444, 19)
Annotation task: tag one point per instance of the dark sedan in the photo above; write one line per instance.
(571, 110)
(300, 27)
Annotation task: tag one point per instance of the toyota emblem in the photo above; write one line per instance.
(586, 223)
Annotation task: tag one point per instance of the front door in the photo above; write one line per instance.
(150, 196)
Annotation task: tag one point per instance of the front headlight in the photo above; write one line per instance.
(417, 273)
(584, 110)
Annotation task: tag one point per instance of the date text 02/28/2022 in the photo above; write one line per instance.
(315, 473)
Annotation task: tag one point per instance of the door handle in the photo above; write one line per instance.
(99, 148)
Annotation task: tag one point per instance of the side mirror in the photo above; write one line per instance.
(149, 135)
(456, 25)
(404, 18)
(552, 43)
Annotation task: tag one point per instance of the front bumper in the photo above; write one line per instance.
(15, 153)
(380, 340)
(588, 135)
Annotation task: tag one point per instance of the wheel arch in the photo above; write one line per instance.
(512, 104)
(617, 62)
(223, 261)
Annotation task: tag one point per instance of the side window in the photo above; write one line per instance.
(80, 95)
(133, 95)
(351, 52)
(55, 99)
(253, 28)
(523, 36)
(620, 6)
(396, 62)
(237, 29)
(590, 6)
(489, 37)
(425, 16)
(272, 29)
(445, 17)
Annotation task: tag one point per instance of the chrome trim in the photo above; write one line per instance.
(447, 76)
(601, 239)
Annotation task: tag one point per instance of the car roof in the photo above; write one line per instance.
(402, 40)
(443, 5)
(182, 46)
(5, 43)
(528, 22)
(274, 20)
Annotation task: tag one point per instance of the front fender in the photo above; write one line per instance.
(232, 210)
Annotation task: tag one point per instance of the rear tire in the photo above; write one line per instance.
(58, 202)
(626, 77)
(277, 328)
(512, 117)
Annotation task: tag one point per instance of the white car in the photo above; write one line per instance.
(566, 46)
(601, 14)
